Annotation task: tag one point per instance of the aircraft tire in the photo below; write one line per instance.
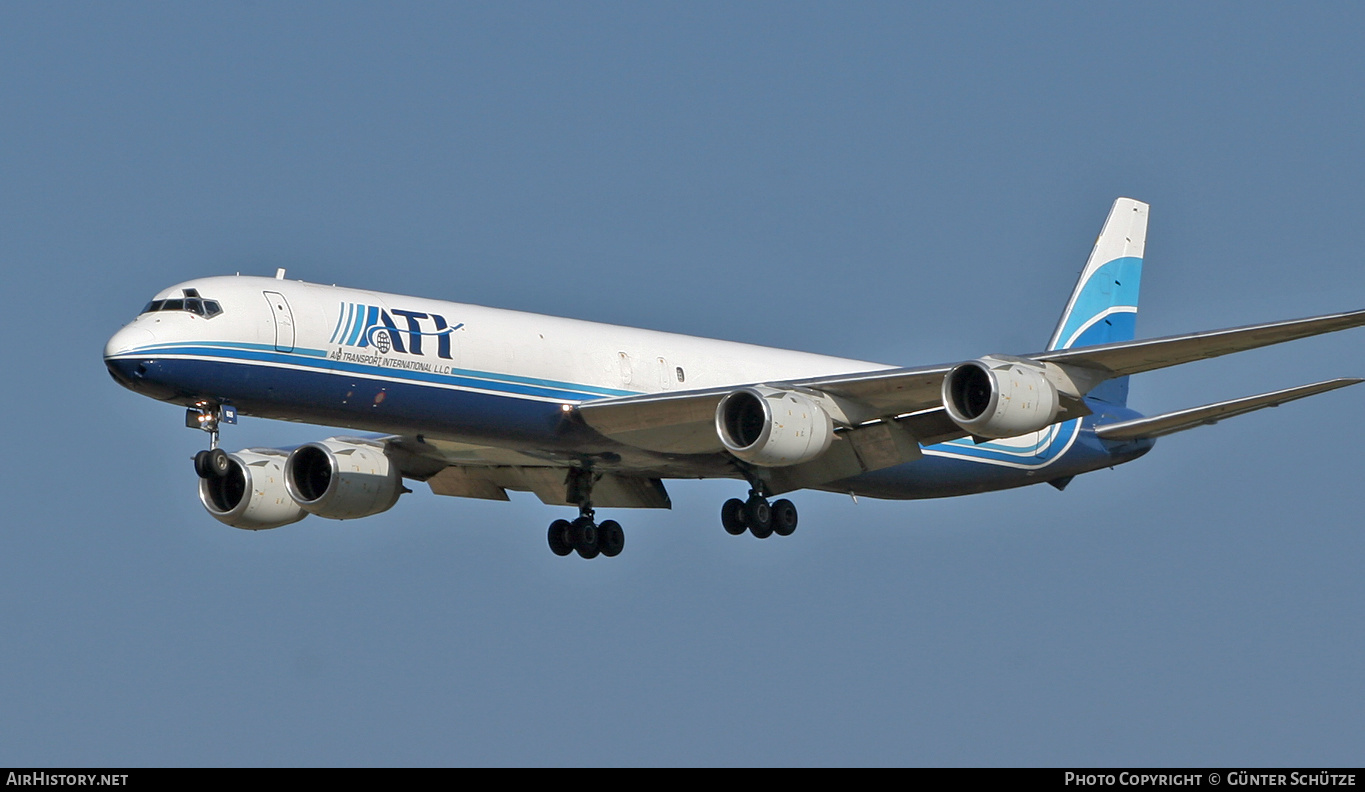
(610, 538)
(759, 515)
(732, 517)
(784, 517)
(585, 537)
(201, 465)
(218, 463)
(559, 538)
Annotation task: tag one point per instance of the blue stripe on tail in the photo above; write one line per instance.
(1103, 306)
(1105, 310)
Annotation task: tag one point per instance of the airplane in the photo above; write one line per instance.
(477, 401)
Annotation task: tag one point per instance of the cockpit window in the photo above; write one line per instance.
(191, 302)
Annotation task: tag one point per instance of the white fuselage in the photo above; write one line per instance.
(492, 378)
(490, 347)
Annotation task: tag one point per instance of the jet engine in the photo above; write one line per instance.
(251, 494)
(1000, 397)
(773, 428)
(341, 480)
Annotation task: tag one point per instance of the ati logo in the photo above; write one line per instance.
(371, 326)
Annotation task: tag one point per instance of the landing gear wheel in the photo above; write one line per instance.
(218, 463)
(759, 515)
(559, 538)
(584, 533)
(610, 538)
(732, 517)
(201, 465)
(212, 464)
(784, 517)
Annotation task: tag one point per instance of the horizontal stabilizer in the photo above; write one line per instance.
(1179, 421)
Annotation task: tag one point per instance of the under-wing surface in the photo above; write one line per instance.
(478, 401)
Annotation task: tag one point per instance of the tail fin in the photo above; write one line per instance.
(1103, 306)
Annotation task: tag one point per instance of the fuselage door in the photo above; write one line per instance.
(284, 321)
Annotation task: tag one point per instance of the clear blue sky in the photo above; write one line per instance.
(909, 183)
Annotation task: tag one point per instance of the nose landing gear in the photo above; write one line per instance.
(212, 462)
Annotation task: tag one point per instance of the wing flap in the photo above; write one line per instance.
(1180, 420)
(862, 449)
(550, 485)
(469, 471)
(463, 482)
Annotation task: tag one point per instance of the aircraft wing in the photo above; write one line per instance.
(1135, 357)
(684, 422)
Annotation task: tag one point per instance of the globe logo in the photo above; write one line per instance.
(381, 341)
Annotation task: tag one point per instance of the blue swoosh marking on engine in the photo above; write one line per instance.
(1057, 438)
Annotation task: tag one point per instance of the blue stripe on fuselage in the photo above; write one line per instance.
(440, 374)
(362, 403)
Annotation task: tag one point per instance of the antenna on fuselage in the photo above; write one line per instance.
(279, 273)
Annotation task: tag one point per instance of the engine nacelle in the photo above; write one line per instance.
(342, 481)
(252, 494)
(773, 428)
(1000, 397)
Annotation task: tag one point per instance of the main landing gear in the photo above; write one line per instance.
(584, 535)
(757, 516)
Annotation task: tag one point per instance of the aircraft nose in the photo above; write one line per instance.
(126, 340)
(140, 373)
